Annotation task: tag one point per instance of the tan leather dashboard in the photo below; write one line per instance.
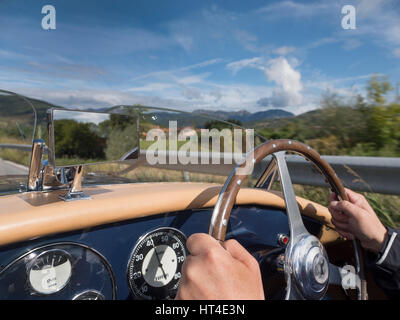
(30, 215)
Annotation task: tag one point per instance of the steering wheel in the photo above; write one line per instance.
(306, 266)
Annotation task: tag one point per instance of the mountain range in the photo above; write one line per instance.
(245, 116)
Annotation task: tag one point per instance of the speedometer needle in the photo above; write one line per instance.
(158, 258)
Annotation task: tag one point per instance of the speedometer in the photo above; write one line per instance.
(155, 265)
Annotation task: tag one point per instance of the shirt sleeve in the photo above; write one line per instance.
(385, 265)
(388, 258)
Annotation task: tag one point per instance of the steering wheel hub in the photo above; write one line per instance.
(307, 263)
(320, 269)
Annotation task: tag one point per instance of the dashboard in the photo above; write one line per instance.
(134, 259)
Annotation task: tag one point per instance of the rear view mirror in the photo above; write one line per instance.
(83, 137)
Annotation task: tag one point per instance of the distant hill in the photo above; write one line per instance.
(15, 107)
(310, 118)
(199, 117)
(245, 116)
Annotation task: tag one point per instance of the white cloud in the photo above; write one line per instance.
(351, 44)
(288, 92)
(192, 93)
(192, 79)
(289, 81)
(245, 63)
(321, 42)
(283, 51)
(172, 72)
(247, 40)
(185, 41)
(296, 9)
(233, 96)
(396, 52)
(151, 87)
(5, 54)
(378, 20)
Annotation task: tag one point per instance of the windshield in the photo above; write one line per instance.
(18, 124)
(174, 145)
(179, 146)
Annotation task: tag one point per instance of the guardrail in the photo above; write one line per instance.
(22, 147)
(373, 174)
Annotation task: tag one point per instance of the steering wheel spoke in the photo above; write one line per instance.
(306, 262)
(291, 291)
(296, 224)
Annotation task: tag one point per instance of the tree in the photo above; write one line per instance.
(216, 124)
(76, 139)
(377, 88)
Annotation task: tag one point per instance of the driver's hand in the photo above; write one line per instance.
(215, 272)
(356, 219)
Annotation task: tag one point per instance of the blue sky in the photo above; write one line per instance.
(219, 55)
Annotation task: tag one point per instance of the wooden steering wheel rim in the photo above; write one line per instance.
(227, 197)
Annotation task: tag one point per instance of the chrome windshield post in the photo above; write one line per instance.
(35, 167)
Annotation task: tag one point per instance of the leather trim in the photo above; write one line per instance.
(36, 214)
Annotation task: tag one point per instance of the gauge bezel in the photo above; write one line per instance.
(31, 263)
(141, 238)
(63, 243)
(89, 291)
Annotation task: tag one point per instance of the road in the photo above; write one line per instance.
(8, 168)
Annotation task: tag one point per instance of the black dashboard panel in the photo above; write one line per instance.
(100, 255)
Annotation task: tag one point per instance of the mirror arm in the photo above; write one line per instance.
(75, 192)
(77, 183)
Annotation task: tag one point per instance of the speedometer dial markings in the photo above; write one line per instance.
(155, 265)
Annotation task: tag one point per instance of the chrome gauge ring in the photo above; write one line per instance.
(154, 268)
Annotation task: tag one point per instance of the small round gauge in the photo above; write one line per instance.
(50, 271)
(155, 265)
